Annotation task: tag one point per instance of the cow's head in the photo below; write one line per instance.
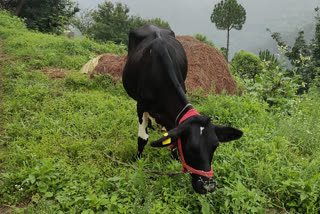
(199, 140)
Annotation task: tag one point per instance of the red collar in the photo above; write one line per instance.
(185, 166)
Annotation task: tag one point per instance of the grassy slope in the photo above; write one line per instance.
(57, 132)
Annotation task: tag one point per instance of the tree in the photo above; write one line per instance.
(111, 22)
(19, 6)
(271, 61)
(43, 15)
(228, 15)
(159, 22)
(136, 21)
(9, 5)
(302, 56)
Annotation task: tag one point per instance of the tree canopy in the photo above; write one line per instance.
(228, 15)
(303, 56)
(111, 22)
(43, 15)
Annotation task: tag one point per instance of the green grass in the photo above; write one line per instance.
(42, 50)
(57, 132)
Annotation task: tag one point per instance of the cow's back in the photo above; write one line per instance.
(145, 73)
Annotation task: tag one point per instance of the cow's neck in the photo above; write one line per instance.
(182, 113)
(177, 108)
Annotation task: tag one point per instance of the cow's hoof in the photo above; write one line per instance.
(138, 156)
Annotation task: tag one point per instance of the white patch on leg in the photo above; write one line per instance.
(142, 127)
(201, 129)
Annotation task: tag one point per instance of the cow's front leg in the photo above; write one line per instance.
(142, 134)
(174, 154)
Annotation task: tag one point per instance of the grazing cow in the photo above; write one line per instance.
(154, 76)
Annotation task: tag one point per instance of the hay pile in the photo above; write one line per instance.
(110, 64)
(207, 67)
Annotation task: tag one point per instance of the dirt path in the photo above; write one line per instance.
(3, 58)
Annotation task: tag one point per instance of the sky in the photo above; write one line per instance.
(189, 17)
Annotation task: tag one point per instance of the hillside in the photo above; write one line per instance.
(58, 134)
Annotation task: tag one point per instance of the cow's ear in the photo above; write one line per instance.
(226, 134)
(166, 140)
(171, 136)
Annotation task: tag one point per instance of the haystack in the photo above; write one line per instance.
(110, 64)
(207, 67)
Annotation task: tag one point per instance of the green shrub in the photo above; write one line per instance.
(247, 65)
(269, 82)
(204, 39)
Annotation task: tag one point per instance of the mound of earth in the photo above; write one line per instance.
(207, 67)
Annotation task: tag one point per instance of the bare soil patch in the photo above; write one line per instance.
(55, 73)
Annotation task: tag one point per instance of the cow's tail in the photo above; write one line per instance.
(161, 48)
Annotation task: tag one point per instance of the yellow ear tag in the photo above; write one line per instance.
(167, 141)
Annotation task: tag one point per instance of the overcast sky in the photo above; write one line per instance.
(188, 17)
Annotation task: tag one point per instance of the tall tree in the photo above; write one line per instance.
(19, 6)
(228, 15)
(110, 22)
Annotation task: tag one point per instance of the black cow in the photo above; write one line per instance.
(154, 76)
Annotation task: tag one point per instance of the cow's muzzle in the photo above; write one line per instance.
(203, 184)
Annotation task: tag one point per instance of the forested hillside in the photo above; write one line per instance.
(58, 134)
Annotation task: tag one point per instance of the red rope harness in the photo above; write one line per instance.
(185, 166)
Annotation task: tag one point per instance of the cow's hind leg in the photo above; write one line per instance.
(142, 134)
